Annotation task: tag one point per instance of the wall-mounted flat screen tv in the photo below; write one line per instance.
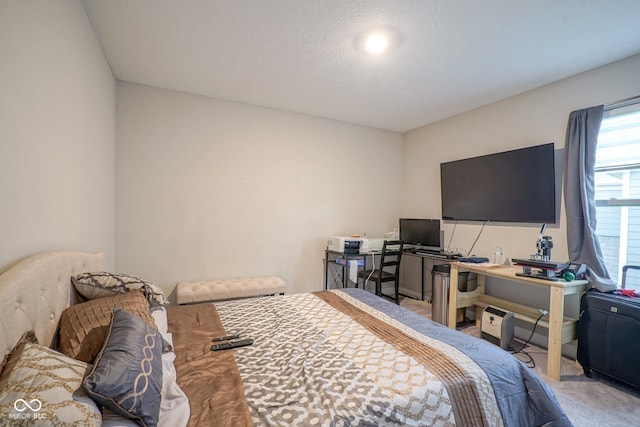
(512, 186)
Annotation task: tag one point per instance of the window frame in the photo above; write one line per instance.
(619, 109)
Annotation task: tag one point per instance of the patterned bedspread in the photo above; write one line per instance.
(349, 358)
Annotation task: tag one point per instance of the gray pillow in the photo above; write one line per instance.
(102, 284)
(127, 373)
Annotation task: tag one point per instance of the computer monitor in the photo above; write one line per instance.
(421, 232)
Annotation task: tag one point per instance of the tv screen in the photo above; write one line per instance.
(512, 186)
(420, 232)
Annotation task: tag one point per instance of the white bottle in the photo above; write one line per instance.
(497, 255)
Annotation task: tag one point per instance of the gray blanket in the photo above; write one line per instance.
(350, 358)
(523, 399)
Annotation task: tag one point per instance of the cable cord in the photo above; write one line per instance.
(452, 233)
(531, 363)
(373, 268)
(476, 241)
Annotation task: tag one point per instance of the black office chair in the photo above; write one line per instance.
(387, 270)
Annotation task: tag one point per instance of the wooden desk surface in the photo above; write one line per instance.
(561, 330)
(508, 272)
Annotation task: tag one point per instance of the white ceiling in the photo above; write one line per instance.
(302, 56)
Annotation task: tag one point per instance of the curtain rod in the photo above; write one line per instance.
(620, 102)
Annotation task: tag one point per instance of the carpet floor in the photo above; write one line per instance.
(588, 402)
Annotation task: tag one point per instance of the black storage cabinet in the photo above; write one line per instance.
(609, 336)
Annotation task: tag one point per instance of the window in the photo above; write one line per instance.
(617, 190)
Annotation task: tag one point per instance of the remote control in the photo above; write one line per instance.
(231, 344)
(226, 338)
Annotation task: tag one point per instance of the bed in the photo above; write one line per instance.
(341, 357)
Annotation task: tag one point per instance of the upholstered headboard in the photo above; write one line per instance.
(35, 291)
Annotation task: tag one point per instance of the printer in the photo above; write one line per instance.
(348, 245)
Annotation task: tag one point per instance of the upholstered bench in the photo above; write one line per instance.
(216, 290)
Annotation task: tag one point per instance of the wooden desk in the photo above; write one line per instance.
(561, 329)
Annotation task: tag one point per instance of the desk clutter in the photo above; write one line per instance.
(354, 244)
(474, 259)
(414, 232)
(440, 253)
(550, 270)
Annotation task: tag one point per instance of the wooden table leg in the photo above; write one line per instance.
(480, 278)
(453, 296)
(554, 345)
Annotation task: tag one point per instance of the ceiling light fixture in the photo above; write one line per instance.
(376, 43)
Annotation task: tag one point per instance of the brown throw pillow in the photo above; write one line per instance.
(84, 327)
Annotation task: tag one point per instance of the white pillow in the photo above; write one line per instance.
(159, 314)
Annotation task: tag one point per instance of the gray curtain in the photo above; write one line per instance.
(579, 191)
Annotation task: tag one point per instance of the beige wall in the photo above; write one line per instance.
(214, 189)
(57, 132)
